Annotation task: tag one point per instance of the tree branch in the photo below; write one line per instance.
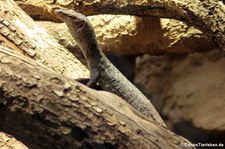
(208, 16)
(50, 110)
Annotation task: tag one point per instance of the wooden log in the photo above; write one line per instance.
(44, 109)
(8, 142)
(189, 39)
(208, 16)
(19, 32)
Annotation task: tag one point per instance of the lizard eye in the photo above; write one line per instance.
(70, 17)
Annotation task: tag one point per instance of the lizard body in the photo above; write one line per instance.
(101, 69)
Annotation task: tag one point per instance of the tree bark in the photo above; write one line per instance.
(18, 31)
(132, 35)
(9, 142)
(151, 35)
(208, 16)
(44, 109)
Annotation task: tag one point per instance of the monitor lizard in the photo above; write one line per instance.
(101, 69)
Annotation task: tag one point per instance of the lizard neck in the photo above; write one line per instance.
(86, 40)
(92, 52)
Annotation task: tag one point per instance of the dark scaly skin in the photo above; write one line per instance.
(101, 69)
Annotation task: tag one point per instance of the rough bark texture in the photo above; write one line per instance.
(39, 9)
(9, 142)
(41, 115)
(130, 35)
(20, 32)
(51, 111)
(174, 37)
(208, 16)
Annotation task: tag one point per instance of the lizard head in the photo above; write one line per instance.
(79, 26)
(81, 31)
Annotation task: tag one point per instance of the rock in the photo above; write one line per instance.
(188, 91)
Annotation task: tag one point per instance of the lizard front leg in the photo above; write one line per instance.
(94, 74)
